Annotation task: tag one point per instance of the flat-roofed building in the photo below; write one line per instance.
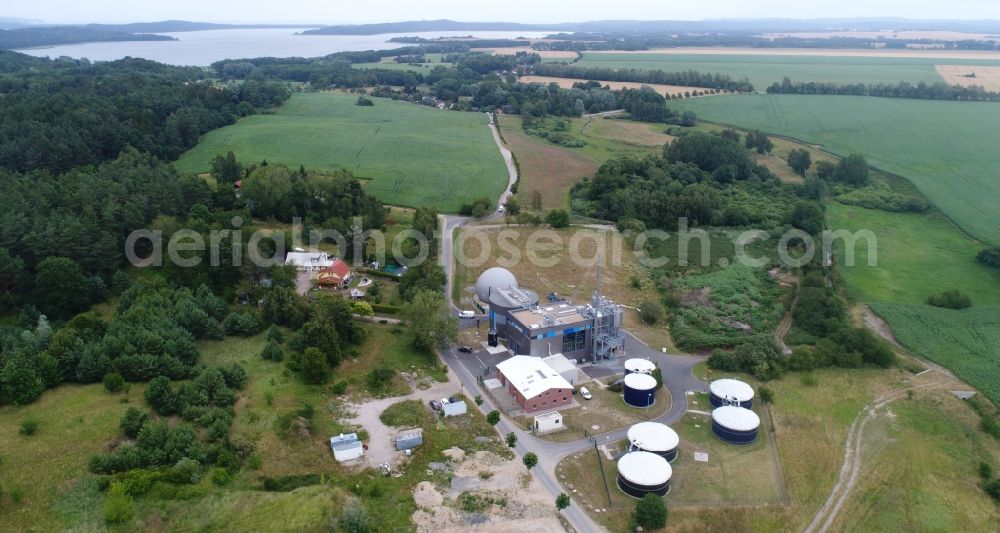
(549, 330)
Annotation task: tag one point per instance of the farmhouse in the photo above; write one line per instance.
(309, 261)
(338, 275)
(533, 384)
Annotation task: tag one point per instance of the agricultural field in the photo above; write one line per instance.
(967, 342)
(944, 148)
(765, 69)
(389, 63)
(552, 170)
(410, 155)
(969, 75)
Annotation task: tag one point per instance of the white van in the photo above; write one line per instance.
(585, 392)
(466, 314)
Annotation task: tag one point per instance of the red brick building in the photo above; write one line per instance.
(533, 384)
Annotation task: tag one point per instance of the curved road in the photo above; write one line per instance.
(677, 376)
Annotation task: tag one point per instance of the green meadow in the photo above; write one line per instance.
(410, 155)
(946, 149)
(763, 70)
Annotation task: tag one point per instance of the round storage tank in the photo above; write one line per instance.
(639, 366)
(730, 392)
(639, 390)
(494, 278)
(654, 437)
(735, 425)
(642, 473)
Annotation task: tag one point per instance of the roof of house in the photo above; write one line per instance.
(337, 272)
(559, 363)
(308, 259)
(531, 376)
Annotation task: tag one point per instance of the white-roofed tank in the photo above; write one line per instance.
(494, 278)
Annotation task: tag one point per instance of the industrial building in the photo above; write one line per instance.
(642, 473)
(590, 332)
(533, 384)
(653, 437)
(639, 390)
(730, 392)
(735, 425)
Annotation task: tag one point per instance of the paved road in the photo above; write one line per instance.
(676, 369)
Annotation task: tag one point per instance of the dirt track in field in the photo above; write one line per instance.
(986, 77)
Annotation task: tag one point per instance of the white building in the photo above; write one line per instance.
(533, 384)
(564, 367)
(309, 261)
(548, 422)
(455, 408)
(346, 447)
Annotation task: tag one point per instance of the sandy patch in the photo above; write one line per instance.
(986, 77)
(527, 506)
(567, 83)
(827, 52)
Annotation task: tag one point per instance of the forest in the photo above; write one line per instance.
(920, 91)
(64, 113)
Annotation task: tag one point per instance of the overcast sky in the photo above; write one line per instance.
(340, 11)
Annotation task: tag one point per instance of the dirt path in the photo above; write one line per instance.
(847, 480)
(786, 324)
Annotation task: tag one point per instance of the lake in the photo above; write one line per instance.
(201, 48)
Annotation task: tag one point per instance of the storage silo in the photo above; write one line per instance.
(642, 473)
(730, 392)
(639, 390)
(735, 425)
(639, 366)
(654, 437)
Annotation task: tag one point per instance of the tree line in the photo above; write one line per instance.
(920, 91)
(689, 78)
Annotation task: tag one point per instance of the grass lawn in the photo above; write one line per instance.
(412, 155)
(763, 70)
(607, 410)
(944, 148)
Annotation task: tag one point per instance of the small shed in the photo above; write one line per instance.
(455, 408)
(409, 439)
(346, 447)
(548, 422)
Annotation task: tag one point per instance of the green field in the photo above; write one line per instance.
(413, 155)
(946, 149)
(763, 70)
(917, 255)
(967, 341)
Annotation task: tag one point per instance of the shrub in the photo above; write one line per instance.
(287, 483)
(651, 312)
(562, 501)
(274, 334)
(993, 489)
(985, 471)
(952, 299)
(723, 360)
(403, 414)
(339, 387)
(557, 218)
(810, 380)
(161, 397)
(29, 427)
(117, 506)
(377, 378)
(529, 460)
(650, 512)
(272, 351)
(511, 440)
(766, 394)
(113, 382)
(221, 476)
(132, 421)
(241, 323)
(479, 399)
(493, 417)
(315, 367)
(989, 257)
(186, 471)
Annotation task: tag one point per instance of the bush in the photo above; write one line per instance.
(766, 394)
(315, 367)
(615, 387)
(562, 501)
(557, 218)
(985, 471)
(272, 351)
(377, 378)
(274, 334)
(993, 489)
(952, 299)
(288, 483)
(118, 505)
(241, 323)
(353, 518)
(186, 471)
(29, 427)
(221, 476)
(403, 414)
(339, 387)
(132, 421)
(651, 312)
(493, 417)
(161, 397)
(113, 382)
(479, 399)
(810, 380)
(511, 440)
(650, 512)
(529, 459)
(989, 257)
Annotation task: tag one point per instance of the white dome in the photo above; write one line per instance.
(731, 389)
(494, 278)
(736, 418)
(644, 468)
(653, 437)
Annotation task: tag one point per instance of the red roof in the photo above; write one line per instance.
(334, 274)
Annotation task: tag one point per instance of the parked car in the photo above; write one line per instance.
(445, 401)
(466, 314)
(436, 405)
(586, 393)
(465, 349)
